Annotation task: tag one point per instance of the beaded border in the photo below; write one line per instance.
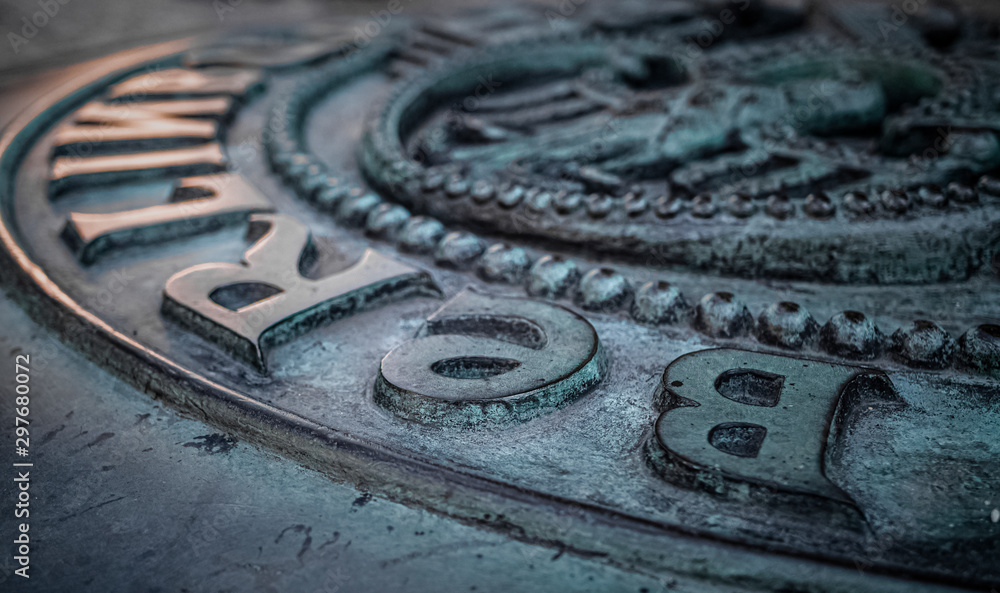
(785, 325)
(865, 202)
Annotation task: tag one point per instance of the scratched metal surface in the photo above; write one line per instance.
(600, 451)
(129, 495)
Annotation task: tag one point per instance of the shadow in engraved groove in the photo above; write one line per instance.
(239, 295)
(741, 439)
(513, 330)
(474, 367)
(750, 387)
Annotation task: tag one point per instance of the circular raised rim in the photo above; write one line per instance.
(404, 478)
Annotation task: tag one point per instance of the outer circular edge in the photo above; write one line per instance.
(401, 478)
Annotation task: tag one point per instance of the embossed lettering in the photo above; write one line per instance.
(184, 83)
(761, 418)
(265, 301)
(484, 359)
(70, 172)
(198, 204)
(100, 127)
(162, 115)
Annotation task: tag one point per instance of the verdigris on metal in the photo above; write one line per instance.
(723, 311)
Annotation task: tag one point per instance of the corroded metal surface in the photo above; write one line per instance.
(698, 290)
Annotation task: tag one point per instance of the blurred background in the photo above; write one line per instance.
(85, 29)
(79, 30)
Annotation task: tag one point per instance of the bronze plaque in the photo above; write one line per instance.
(701, 290)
